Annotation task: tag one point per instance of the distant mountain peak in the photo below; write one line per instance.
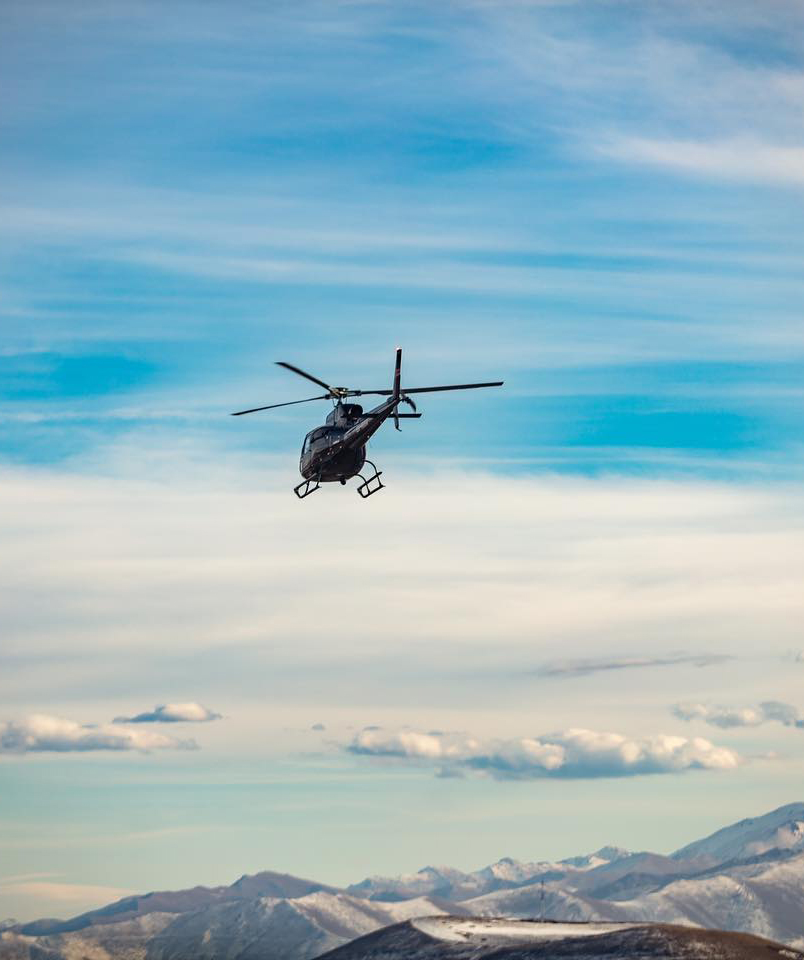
(607, 854)
(610, 854)
(781, 829)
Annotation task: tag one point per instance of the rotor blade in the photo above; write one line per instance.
(401, 416)
(455, 386)
(273, 406)
(301, 373)
(407, 390)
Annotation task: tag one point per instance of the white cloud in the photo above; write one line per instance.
(770, 711)
(173, 713)
(42, 733)
(735, 159)
(574, 753)
(676, 94)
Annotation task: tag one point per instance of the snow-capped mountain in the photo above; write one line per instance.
(748, 877)
(782, 829)
(265, 884)
(297, 928)
(766, 898)
(505, 874)
(429, 881)
(597, 859)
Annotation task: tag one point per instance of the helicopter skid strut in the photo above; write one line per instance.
(371, 485)
(306, 487)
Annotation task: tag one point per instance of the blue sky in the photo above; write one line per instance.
(598, 202)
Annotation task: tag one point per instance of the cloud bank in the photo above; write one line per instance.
(770, 711)
(173, 713)
(572, 754)
(41, 733)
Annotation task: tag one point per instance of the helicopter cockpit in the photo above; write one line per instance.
(322, 437)
(344, 414)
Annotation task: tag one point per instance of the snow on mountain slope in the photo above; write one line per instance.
(506, 873)
(580, 894)
(763, 898)
(437, 881)
(296, 929)
(350, 913)
(264, 884)
(760, 898)
(552, 901)
(266, 927)
(458, 930)
(781, 829)
(597, 859)
(448, 939)
(606, 881)
(510, 871)
(123, 940)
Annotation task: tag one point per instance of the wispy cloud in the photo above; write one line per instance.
(40, 733)
(173, 713)
(580, 668)
(603, 570)
(727, 159)
(572, 754)
(770, 711)
(68, 893)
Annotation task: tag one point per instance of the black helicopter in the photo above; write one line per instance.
(337, 451)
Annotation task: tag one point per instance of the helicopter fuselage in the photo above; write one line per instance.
(336, 451)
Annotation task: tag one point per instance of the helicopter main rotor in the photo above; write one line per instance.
(342, 393)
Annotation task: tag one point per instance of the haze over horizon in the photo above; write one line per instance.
(574, 617)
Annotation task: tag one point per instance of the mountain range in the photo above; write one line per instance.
(748, 877)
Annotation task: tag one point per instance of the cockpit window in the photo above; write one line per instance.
(314, 437)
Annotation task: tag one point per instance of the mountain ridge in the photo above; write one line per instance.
(757, 889)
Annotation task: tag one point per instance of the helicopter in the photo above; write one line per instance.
(336, 451)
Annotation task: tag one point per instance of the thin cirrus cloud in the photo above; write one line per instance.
(173, 713)
(580, 668)
(67, 893)
(769, 711)
(730, 160)
(571, 754)
(40, 733)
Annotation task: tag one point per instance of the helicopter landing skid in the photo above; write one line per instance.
(373, 484)
(307, 487)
